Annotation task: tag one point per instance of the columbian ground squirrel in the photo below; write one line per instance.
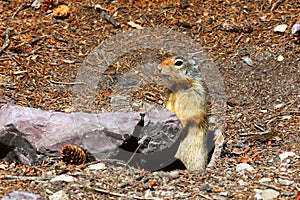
(188, 101)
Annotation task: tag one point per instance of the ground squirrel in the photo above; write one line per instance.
(188, 101)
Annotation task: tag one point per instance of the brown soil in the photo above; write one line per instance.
(40, 65)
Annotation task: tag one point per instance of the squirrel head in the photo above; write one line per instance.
(181, 70)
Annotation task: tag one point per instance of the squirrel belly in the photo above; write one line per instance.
(190, 107)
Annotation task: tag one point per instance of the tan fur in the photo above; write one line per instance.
(190, 106)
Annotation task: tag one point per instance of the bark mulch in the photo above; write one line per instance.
(41, 52)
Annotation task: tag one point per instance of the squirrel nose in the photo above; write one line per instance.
(165, 64)
(159, 67)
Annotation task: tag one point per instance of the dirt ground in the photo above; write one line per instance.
(39, 68)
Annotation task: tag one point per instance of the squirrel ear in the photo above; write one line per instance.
(195, 62)
(195, 59)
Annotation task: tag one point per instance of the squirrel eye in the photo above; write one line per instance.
(178, 63)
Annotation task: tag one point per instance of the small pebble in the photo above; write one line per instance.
(282, 169)
(243, 183)
(36, 4)
(280, 58)
(225, 194)
(3, 166)
(287, 117)
(280, 28)
(174, 174)
(285, 182)
(279, 105)
(148, 194)
(64, 177)
(257, 196)
(98, 166)
(263, 180)
(59, 195)
(248, 61)
(296, 29)
(269, 194)
(244, 166)
(285, 155)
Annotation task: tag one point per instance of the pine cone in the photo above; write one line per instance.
(73, 155)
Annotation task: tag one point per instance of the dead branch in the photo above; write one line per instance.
(67, 83)
(59, 38)
(110, 19)
(7, 41)
(104, 191)
(276, 4)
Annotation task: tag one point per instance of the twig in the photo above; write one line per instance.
(111, 160)
(123, 185)
(21, 7)
(259, 128)
(7, 85)
(67, 83)
(58, 38)
(276, 4)
(25, 178)
(18, 10)
(104, 191)
(256, 133)
(270, 186)
(20, 72)
(35, 40)
(132, 156)
(98, 7)
(204, 196)
(298, 187)
(110, 19)
(61, 47)
(7, 41)
(13, 58)
(239, 38)
(18, 54)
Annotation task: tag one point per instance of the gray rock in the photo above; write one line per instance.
(27, 135)
(101, 134)
(22, 195)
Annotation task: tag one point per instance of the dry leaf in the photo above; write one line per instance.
(153, 183)
(298, 196)
(280, 58)
(244, 159)
(216, 190)
(61, 11)
(246, 149)
(135, 25)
